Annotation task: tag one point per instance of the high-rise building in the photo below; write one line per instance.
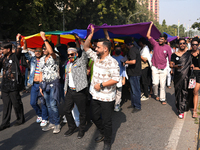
(153, 5)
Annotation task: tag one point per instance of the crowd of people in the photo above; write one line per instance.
(95, 72)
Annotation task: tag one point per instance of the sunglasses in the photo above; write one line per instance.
(72, 54)
(38, 51)
(195, 44)
(182, 43)
(44, 48)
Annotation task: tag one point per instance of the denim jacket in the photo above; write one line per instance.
(79, 73)
(33, 63)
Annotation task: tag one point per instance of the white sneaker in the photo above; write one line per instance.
(48, 127)
(117, 108)
(39, 119)
(43, 123)
(56, 129)
(144, 98)
(142, 94)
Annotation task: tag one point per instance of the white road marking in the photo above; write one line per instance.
(175, 134)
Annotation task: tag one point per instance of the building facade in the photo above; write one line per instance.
(153, 5)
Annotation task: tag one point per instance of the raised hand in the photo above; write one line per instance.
(18, 37)
(42, 34)
(92, 29)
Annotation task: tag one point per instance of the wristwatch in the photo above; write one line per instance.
(45, 40)
(101, 86)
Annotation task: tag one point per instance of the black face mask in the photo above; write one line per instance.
(117, 52)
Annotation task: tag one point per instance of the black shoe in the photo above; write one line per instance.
(99, 138)
(2, 127)
(18, 123)
(70, 132)
(135, 110)
(130, 106)
(80, 134)
(107, 146)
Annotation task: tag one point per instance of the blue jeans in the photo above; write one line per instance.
(135, 91)
(34, 103)
(52, 106)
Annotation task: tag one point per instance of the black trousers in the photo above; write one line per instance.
(102, 117)
(80, 99)
(145, 77)
(9, 99)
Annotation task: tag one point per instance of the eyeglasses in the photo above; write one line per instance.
(195, 44)
(38, 51)
(182, 43)
(72, 54)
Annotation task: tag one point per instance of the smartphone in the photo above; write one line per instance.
(179, 65)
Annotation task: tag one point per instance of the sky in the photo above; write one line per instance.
(186, 11)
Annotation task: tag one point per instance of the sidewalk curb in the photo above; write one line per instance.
(198, 143)
(198, 138)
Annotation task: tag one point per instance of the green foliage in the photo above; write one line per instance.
(196, 25)
(31, 16)
(28, 17)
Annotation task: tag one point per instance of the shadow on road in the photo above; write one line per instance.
(1, 107)
(24, 138)
(117, 119)
(172, 102)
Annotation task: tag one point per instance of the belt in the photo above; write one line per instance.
(71, 88)
(158, 68)
(36, 82)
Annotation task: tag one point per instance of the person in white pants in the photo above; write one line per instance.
(159, 61)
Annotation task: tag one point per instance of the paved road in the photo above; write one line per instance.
(156, 127)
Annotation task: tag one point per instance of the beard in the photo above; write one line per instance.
(161, 44)
(182, 49)
(100, 54)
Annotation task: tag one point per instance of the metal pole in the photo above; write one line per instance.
(178, 30)
(63, 16)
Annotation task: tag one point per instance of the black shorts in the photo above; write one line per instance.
(197, 75)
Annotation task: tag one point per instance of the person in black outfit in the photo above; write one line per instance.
(196, 67)
(134, 73)
(10, 90)
(181, 62)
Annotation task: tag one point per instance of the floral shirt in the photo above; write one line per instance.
(49, 69)
(103, 71)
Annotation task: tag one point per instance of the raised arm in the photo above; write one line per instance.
(18, 40)
(77, 41)
(48, 46)
(149, 31)
(106, 34)
(88, 40)
(58, 40)
(25, 44)
(80, 39)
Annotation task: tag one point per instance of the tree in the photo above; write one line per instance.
(79, 13)
(196, 25)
